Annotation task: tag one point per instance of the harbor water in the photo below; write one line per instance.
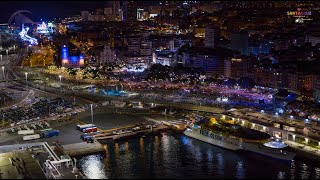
(172, 155)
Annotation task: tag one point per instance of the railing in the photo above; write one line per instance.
(55, 157)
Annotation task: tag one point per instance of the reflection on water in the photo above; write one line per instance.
(317, 171)
(94, 167)
(304, 172)
(240, 170)
(178, 156)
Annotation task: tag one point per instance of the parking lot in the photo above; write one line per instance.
(35, 108)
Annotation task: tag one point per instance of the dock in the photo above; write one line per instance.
(19, 165)
(82, 148)
(304, 151)
(104, 137)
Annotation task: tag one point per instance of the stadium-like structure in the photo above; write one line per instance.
(18, 18)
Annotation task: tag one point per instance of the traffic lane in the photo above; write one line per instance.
(68, 133)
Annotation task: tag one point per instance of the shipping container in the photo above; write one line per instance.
(31, 137)
(50, 133)
(90, 129)
(31, 131)
(79, 127)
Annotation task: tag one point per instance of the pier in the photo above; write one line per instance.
(82, 148)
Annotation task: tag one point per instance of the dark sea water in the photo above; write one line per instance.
(171, 155)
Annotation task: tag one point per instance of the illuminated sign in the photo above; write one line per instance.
(300, 14)
(24, 36)
(236, 59)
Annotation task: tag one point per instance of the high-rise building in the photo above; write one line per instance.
(129, 10)
(108, 55)
(115, 7)
(227, 68)
(85, 15)
(144, 35)
(134, 45)
(146, 50)
(171, 45)
(239, 42)
(209, 37)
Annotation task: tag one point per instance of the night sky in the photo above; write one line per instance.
(47, 10)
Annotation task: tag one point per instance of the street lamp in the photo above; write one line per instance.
(1, 56)
(26, 77)
(3, 72)
(91, 107)
(7, 54)
(60, 78)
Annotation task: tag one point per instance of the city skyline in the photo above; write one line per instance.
(47, 10)
(160, 89)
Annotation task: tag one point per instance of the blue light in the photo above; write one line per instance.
(64, 52)
(185, 140)
(74, 58)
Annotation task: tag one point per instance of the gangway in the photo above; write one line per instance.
(54, 172)
(53, 154)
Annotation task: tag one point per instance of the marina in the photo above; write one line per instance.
(96, 143)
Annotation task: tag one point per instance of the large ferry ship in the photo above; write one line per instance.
(235, 137)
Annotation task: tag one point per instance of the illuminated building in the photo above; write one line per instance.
(211, 61)
(140, 14)
(209, 37)
(134, 44)
(85, 15)
(129, 9)
(146, 48)
(165, 58)
(313, 39)
(241, 67)
(257, 49)
(268, 77)
(71, 59)
(42, 28)
(211, 64)
(227, 68)
(108, 55)
(239, 42)
(316, 93)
